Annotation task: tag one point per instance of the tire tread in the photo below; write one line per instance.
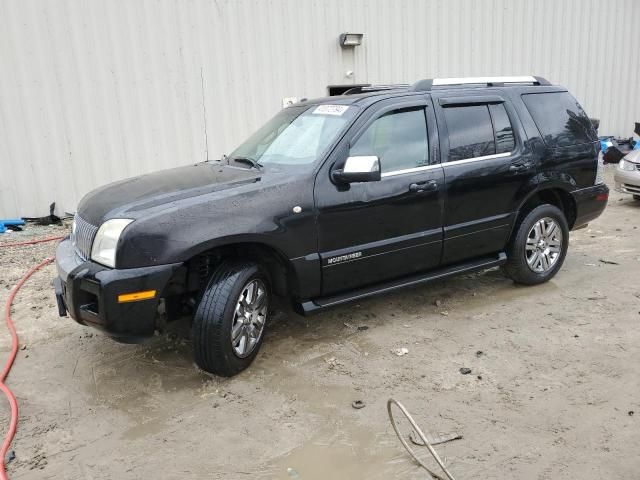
(516, 266)
(209, 320)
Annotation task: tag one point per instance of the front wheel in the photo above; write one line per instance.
(229, 322)
(538, 246)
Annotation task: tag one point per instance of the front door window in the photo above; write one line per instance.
(398, 138)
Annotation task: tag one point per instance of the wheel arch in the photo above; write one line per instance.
(282, 275)
(555, 195)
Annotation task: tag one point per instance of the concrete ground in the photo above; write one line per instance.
(554, 391)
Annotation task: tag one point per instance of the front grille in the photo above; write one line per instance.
(631, 189)
(82, 237)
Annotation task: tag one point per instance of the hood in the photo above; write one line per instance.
(633, 156)
(128, 198)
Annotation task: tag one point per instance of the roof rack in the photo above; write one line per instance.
(428, 84)
(374, 88)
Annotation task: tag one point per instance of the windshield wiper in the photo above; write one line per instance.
(248, 161)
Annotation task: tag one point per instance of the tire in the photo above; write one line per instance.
(526, 241)
(219, 312)
(636, 197)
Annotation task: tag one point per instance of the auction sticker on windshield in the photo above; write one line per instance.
(330, 109)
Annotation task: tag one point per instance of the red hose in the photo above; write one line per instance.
(7, 367)
(31, 242)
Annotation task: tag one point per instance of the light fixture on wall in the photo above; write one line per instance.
(349, 40)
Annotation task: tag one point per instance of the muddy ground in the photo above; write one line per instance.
(551, 395)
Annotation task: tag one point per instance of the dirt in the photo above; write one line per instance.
(554, 377)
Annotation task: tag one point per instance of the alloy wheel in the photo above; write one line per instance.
(249, 317)
(544, 245)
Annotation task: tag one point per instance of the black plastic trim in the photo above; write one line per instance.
(471, 100)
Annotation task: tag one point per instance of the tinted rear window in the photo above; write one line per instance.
(559, 118)
(470, 132)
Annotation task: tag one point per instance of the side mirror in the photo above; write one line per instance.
(358, 169)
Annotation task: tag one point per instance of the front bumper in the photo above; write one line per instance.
(590, 203)
(89, 292)
(627, 181)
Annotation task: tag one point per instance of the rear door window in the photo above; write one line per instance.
(560, 119)
(470, 132)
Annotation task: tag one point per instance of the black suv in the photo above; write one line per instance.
(334, 200)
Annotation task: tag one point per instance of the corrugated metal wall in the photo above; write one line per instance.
(93, 91)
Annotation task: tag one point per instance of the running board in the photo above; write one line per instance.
(319, 304)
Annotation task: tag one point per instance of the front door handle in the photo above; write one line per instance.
(520, 167)
(421, 187)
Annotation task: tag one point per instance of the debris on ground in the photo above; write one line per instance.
(51, 219)
(363, 327)
(614, 149)
(418, 433)
(11, 455)
(357, 404)
(613, 155)
(13, 224)
(437, 440)
(333, 363)
(479, 353)
(465, 371)
(608, 262)
(292, 473)
(401, 351)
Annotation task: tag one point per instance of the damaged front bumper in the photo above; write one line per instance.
(93, 294)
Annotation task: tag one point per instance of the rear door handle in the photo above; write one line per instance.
(420, 187)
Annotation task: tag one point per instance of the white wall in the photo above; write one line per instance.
(93, 91)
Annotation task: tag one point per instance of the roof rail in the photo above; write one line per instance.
(427, 84)
(374, 88)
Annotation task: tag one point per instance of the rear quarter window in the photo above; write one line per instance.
(560, 119)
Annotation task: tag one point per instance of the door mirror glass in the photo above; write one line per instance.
(358, 169)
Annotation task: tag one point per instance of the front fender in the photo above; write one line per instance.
(261, 215)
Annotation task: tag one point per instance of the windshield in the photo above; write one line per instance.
(296, 136)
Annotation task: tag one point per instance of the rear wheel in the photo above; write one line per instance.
(636, 197)
(538, 246)
(229, 322)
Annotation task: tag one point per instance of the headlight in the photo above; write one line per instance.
(626, 165)
(106, 241)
